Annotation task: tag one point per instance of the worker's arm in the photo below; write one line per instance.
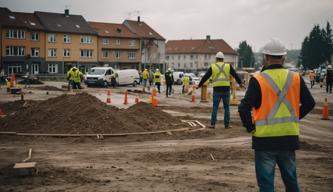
(235, 75)
(252, 99)
(205, 77)
(306, 100)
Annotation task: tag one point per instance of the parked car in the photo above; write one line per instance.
(102, 76)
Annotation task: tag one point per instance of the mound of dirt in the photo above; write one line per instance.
(83, 113)
(49, 88)
(14, 106)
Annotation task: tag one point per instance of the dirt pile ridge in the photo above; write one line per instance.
(83, 113)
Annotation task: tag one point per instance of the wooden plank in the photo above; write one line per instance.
(25, 165)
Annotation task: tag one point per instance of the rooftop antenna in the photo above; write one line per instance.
(134, 13)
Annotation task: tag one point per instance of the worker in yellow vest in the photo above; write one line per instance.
(220, 73)
(186, 83)
(75, 77)
(157, 80)
(145, 77)
(275, 101)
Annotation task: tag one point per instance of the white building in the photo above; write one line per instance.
(197, 55)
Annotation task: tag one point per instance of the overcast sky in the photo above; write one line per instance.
(232, 20)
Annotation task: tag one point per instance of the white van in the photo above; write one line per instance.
(128, 77)
(101, 76)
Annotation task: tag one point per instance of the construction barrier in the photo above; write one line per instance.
(126, 97)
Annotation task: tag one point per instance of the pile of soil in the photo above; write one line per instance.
(14, 106)
(32, 81)
(83, 113)
(49, 88)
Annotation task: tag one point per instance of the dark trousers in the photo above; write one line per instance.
(158, 85)
(168, 89)
(265, 162)
(76, 85)
(312, 83)
(217, 96)
(328, 86)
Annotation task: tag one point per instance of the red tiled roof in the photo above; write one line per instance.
(112, 30)
(18, 19)
(203, 46)
(142, 29)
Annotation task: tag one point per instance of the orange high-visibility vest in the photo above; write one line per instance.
(278, 114)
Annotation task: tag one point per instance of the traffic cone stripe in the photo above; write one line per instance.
(325, 111)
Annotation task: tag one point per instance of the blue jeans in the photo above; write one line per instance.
(265, 162)
(217, 96)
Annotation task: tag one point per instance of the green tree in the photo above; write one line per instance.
(245, 55)
(317, 48)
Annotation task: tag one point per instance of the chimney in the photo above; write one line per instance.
(66, 12)
(139, 19)
(207, 37)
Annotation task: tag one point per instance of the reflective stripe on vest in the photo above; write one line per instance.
(269, 121)
(221, 74)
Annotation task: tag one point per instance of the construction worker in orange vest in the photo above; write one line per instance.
(275, 101)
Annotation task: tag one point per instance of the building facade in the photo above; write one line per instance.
(197, 55)
(45, 43)
(69, 41)
(22, 43)
(118, 47)
(152, 44)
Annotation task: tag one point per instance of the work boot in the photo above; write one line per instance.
(211, 127)
(228, 127)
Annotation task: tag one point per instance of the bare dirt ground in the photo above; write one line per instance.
(212, 160)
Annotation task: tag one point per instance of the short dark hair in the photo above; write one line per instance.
(219, 59)
(275, 56)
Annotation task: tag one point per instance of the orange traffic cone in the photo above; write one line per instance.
(137, 99)
(155, 102)
(2, 114)
(154, 92)
(325, 111)
(126, 98)
(193, 98)
(108, 100)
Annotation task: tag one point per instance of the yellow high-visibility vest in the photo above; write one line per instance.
(220, 74)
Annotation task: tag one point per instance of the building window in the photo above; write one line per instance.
(178, 65)
(131, 55)
(15, 51)
(172, 57)
(52, 68)
(184, 57)
(117, 53)
(86, 39)
(34, 36)
(51, 38)
(14, 68)
(196, 56)
(34, 52)
(132, 43)
(106, 41)
(191, 65)
(87, 53)
(52, 52)
(105, 54)
(15, 34)
(67, 52)
(67, 39)
(192, 57)
(117, 41)
(167, 57)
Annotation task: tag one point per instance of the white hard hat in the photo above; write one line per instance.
(169, 69)
(274, 47)
(157, 70)
(329, 66)
(219, 55)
